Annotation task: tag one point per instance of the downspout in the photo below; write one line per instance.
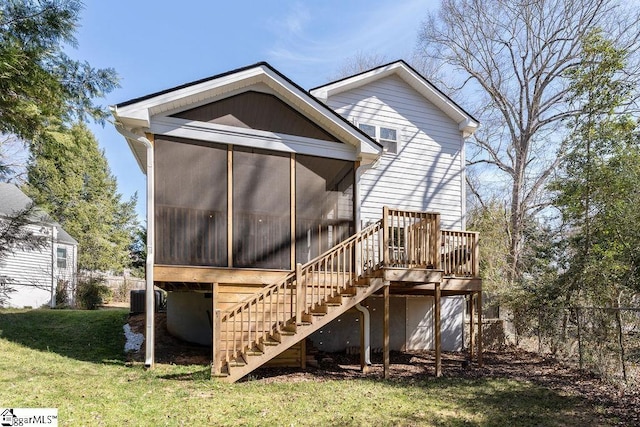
(367, 332)
(149, 290)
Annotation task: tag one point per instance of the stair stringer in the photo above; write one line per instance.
(303, 331)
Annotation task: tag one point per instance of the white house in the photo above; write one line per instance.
(34, 274)
(277, 214)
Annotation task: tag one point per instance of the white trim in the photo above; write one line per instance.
(246, 137)
(467, 125)
(378, 138)
(141, 115)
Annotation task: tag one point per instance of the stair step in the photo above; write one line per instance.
(255, 351)
(237, 363)
(334, 301)
(289, 328)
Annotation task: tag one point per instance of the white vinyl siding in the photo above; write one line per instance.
(427, 173)
(31, 271)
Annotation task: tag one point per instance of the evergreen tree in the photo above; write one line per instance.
(597, 193)
(38, 81)
(69, 176)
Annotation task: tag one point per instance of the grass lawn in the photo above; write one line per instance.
(74, 361)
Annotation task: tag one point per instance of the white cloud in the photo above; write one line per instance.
(310, 50)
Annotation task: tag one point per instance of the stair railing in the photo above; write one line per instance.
(281, 306)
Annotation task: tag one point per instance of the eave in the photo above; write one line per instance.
(467, 124)
(138, 115)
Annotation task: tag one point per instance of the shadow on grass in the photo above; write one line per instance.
(92, 336)
(201, 373)
(496, 402)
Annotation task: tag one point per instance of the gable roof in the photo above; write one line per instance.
(466, 122)
(14, 201)
(136, 114)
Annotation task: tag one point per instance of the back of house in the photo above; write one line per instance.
(276, 209)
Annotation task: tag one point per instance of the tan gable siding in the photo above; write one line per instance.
(256, 110)
(427, 172)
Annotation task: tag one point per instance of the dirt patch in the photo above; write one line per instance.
(169, 349)
(621, 404)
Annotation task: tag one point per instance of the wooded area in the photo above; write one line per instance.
(554, 170)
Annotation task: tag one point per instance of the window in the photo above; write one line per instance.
(61, 257)
(387, 137)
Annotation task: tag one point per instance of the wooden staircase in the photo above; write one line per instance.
(280, 315)
(284, 313)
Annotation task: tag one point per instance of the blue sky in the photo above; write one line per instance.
(155, 45)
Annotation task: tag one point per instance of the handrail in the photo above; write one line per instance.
(399, 239)
(283, 304)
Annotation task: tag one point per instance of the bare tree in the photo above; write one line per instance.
(358, 63)
(512, 59)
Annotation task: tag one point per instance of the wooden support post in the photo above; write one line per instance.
(303, 354)
(479, 308)
(301, 295)
(385, 332)
(230, 205)
(216, 353)
(471, 326)
(363, 365)
(292, 212)
(437, 327)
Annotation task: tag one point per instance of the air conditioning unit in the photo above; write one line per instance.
(137, 301)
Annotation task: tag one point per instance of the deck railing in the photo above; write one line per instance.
(459, 256)
(399, 239)
(412, 239)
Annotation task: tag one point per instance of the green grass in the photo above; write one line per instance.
(73, 361)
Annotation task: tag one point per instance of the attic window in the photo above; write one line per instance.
(387, 137)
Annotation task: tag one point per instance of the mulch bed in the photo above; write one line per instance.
(622, 403)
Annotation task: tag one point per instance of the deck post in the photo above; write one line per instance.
(301, 295)
(385, 236)
(476, 255)
(437, 243)
(385, 332)
(437, 327)
(471, 326)
(215, 333)
(216, 344)
(363, 364)
(479, 308)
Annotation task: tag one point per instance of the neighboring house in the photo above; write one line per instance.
(277, 214)
(35, 273)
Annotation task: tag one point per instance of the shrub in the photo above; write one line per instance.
(62, 294)
(91, 292)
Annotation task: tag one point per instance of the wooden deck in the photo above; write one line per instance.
(259, 314)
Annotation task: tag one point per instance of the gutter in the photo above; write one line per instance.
(149, 289)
